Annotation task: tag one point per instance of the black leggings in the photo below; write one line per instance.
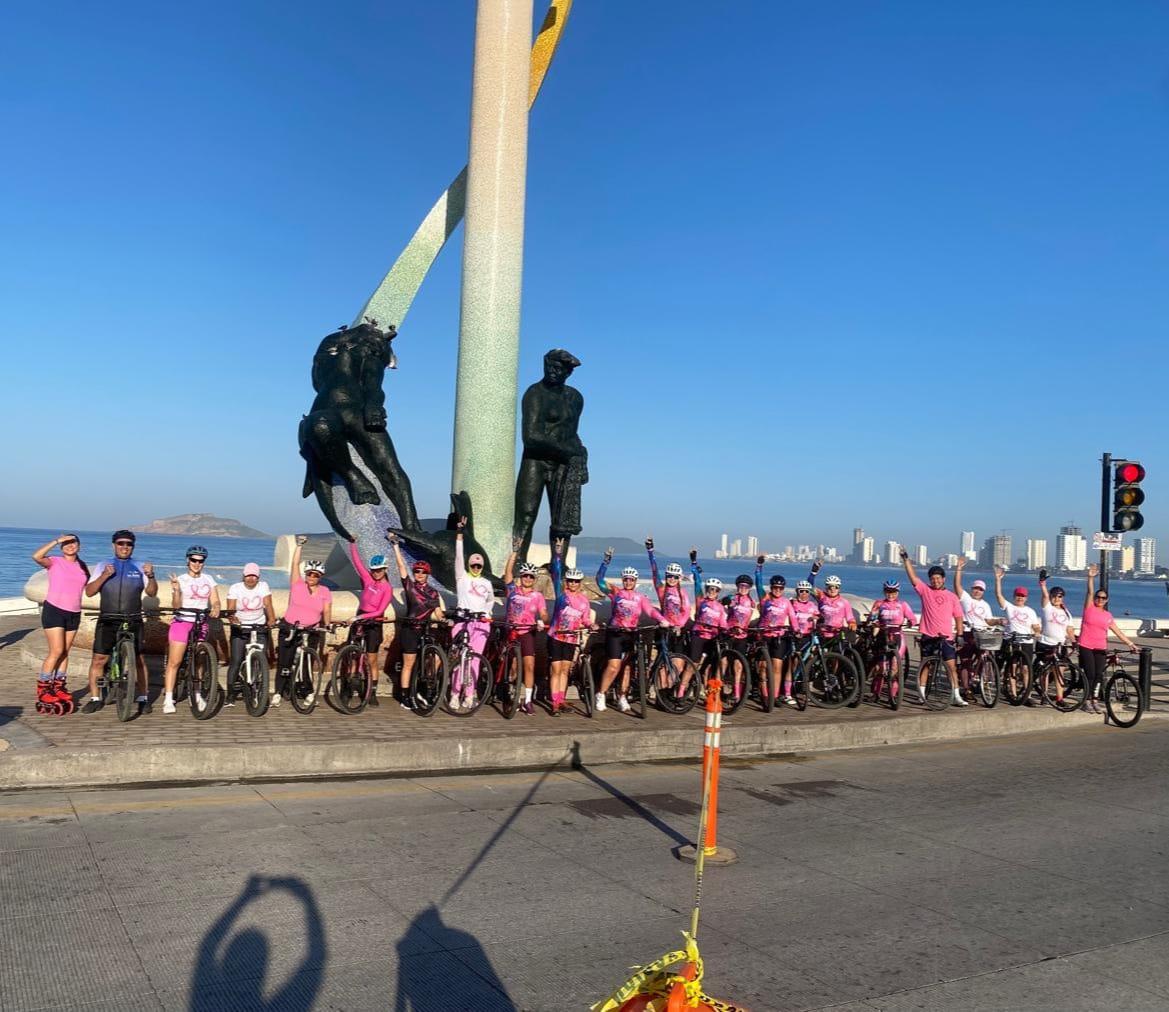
(240, 637)
(1092, 662)
(286, 644)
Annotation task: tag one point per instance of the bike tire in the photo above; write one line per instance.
(204, 677)
(760, 661)
(639, 688)
(831, 680)
(511, 681)
(858, 663)
(428, 679)
(898, 696)
(1123, 701)
(937, 683)
(351, 680)
(683, 669)
(306, 684)
(1075, 686)
(473, 666)
(256, 689)
(988, 681)
(1016, 696)
(738, 676)
(126, 684)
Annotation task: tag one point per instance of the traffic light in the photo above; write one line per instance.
(1127, 496)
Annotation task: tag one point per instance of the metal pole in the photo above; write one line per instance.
(489, 327)
(1105, 518)
(1145, 676)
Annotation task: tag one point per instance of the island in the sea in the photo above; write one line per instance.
(204, 524)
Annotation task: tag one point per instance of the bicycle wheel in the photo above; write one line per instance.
(831, 679)
(1066, 679)
(428, 679)
(470, 683)
(1123, 700)
(895, 681)
(987, 673)
(800, 685)
(351, 679)
(181, 686)
(761, 660)
(203, 666)
(936, 681)
(127, 681)
(1016, 681)
(509, 687)
(306, 683)
(682, 670)
(859, 664)
(639, 690)
(736, 681)
(256, 683)
(585, 686)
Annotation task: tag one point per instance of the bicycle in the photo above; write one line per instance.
(1059, 681)
(121, 674)
(198, 675)
(933, 676)
(759, 662)
(733, 672)
(983, 668)
(838, 641)
(305, 675)
(254, 670)
(507, 662)
(1123, 700)
(351, 682)
(580, 672)
(669, 669)
(888, 666)
(1015, 680)
(428, 677)
(826, 677)
(468, 669)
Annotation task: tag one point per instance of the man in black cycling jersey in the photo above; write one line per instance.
(121, 582)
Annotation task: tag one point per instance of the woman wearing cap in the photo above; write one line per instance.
(776, 620)
(629, 604)
(376, 595)
(1021, 622)
(571, 612)
(310, 604)
(1096, 624)
(476, 598)
(1057, 631)
(526, 609)
(977, 616)
(60, 615)
(249, 603)
(422, 604)
(191, 592)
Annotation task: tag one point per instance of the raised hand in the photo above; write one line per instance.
(461, 524)
(558, 545)
(517, 542)
(392, 538)
(649, 543)
(174, 580)
(609, 554)
(961, 563)
(759, 560)
(301, 540)
(148, 569)
(998, 572)
(1093, 570)
(693, 555)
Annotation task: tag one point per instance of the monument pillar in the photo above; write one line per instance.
(493, 245)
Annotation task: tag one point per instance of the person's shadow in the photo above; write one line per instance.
(242, 964)
(466, 976)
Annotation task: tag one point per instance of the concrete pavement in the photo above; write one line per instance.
(986, 874)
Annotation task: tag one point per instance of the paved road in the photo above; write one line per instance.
(984, 874)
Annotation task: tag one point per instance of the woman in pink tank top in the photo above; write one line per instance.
(1095, 626)
(60, 616)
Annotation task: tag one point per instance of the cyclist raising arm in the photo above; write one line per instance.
(629, 604)
(309, 604)
(776, 621)
(422, 603)
(571, 612)
(1095, 626)
(674, 602)
(941, 614)
(377, 593)
(1021, 621)
(526, 607)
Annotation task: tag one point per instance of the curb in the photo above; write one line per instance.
(190, 765)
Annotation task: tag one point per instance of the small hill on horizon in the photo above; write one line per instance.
(205, 524)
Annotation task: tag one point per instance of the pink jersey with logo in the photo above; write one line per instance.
(571, 615)
(805, 615)
(710, 618)
(835, 613)
(523, 609)
(775, 615)
(629, 606)
(675, 605)
(376, 595)
(740, 609)
(939, 608)
(892, 614)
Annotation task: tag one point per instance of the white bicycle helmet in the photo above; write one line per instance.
(803, 585)
(714, 583)
(832, 581)
(629, 573)
(527, 569)
(673, 569)
(574, 574)
(314, 566)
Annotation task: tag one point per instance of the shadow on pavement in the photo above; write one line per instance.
(9, 714)
(13, 637)
(239, 965)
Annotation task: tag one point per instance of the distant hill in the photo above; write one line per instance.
(622, 546)
(204, 524)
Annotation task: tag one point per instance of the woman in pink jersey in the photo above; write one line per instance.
(310, 604)
(891, 615)
(1095, 626)
(629, 604)
(526, 610)
(60, 616)
(377, 593)
(571, 613)
(776, 621)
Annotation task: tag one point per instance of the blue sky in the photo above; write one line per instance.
(901, 265)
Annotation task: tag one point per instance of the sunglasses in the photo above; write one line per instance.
(71, 541)
(313, 572)
(572, 581)
(123, 544)
(527, 576)
(803, 590)
(1101, 597)
(197, 561)
(673, 577)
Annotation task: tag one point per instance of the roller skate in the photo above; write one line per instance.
(46, 698)
(64, 696)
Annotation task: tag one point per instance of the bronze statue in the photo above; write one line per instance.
(554, 461)
(349, 412)
(439, 547)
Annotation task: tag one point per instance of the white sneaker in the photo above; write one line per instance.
(920, 694)
(199, 705)
(599, 702)
(168, 706)
(468, 702)
(309, 698)
(276, 697)
(789, 701)
(957, 700)
(622, 704)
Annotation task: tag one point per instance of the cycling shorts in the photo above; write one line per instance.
(371, 637)
(932, 644)
(180, 631)
(525, 639)
(107, 632)
(409, 637)
(700, 648)
(778, 648)
(53, 617)
(619, 642)
(558, 650)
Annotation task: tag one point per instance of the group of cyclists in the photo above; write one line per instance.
(753, 636)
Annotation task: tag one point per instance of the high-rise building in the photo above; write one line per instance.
(723, 545)
(752, 545)
(892, 552)
(1036, 553)
(1122, 561)
(996, 551)
(868, 550)
(968, 545)
(1147, 556)
(789, 552)
(858, 540)
(1071, 549)
(950, 560)
(736, 548)
(921, 555)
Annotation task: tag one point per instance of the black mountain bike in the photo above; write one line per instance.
(1058, 679)
(669, 671)
(121, 675)
(352, 680)
(428, 677)
(933, 677)
(198, 677)
(1015, 677)
(1123, 700)
(730, 664)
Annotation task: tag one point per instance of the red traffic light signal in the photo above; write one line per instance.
(1127, 496)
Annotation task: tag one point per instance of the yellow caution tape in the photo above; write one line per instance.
(654, 980)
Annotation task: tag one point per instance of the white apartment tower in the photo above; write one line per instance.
(892, 552)
(1071, 549)
(968, 545)
(752, 545)
(1036, 553)
(1147, 556)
